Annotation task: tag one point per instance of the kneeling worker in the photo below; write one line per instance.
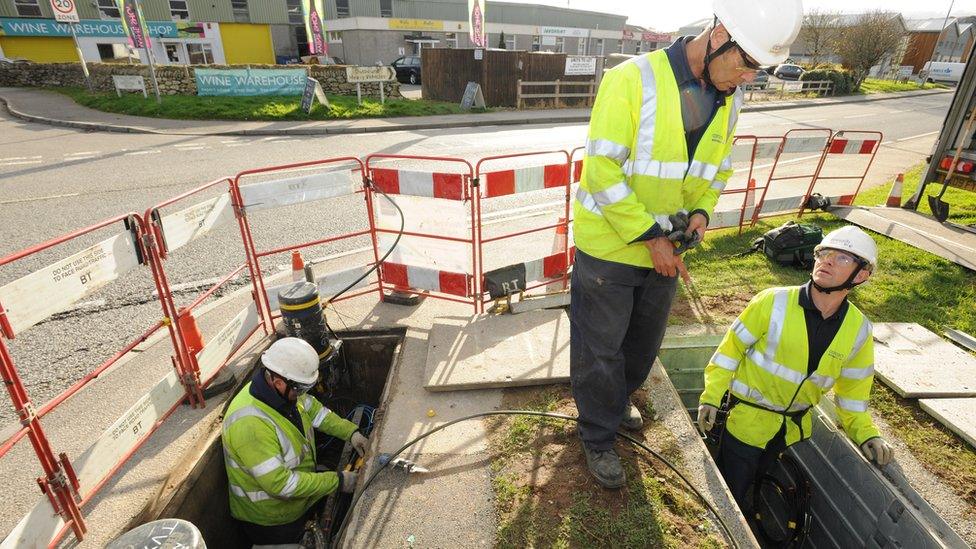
(269, 446)
(787, 348)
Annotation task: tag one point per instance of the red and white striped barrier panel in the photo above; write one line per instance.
(449, 186)
(424, 278)
(524, 180)
(577, 170)
(852, 146)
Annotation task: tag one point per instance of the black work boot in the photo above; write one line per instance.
(632, 419)
(605, 467)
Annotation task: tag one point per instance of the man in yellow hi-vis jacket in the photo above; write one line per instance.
(657, 159)
(787, 348)
(269, 446)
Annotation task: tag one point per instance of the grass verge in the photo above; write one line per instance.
(910, 285)
(546, 498)
(265, 108)
(874, 85)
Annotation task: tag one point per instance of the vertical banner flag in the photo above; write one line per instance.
(476, 23)
(133, 23)
(312, 14)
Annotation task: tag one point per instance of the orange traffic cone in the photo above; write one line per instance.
(751, 193)
(559, 247)
(190, 331)
(894, 197)
(297, 266)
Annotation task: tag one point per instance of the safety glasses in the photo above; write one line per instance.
(840, 258)
(748, 62)
(300, 388)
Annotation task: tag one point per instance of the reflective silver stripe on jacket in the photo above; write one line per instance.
(290, 456)
(743, 333)
(648, 112)
(725, 361)
(756, 396)
(655, 168)
(857, 373)
(863, 333)
(703, 170)
(590, 203)
(738, 98)
(851, 405)
(253, 496)
(608, 149)
(320, 417)
(777, 319)
(290, 485)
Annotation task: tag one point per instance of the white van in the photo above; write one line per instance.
(942, 72)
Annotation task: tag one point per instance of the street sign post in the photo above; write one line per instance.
(66, 11)
(361, 75)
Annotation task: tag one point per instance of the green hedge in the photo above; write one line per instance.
(843, 80)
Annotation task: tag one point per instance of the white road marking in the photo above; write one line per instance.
(814, 120)
(83, 153)
(19, 200)
(196, 148)
(134, 153)
(763, 166)
(917, 136)
(12, 158)
(20, 163)
(860, 115)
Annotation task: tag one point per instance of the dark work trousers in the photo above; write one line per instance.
(281, 534)
(618, 314)
(740, 463)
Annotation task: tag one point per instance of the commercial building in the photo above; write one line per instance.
(938, 40)
(361, 32)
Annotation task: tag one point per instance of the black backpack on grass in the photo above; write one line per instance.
(790, 244)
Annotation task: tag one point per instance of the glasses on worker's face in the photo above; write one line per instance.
(300, 388)
(842, 259)
(749, 64)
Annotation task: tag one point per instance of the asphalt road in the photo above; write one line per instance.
(55, 180)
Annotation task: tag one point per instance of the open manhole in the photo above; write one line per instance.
(851, 503)
(364, 369)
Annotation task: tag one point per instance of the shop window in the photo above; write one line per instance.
(560, 44)
(342, 8)
(113, 53)
(27, 8)
(335, 37)
(178, 10)
(200, 54)
(451, 40)
(301, 40)
(294, 8)
(509, 42)
(386, 8)
(581, 46)
(108, 9)
(241, 14)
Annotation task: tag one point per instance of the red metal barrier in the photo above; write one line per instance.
(456, 186)
(863, 143)
(532, 178)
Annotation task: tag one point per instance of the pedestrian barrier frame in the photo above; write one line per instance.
(784, 141)
(468, 193)
(838, 145)
(254, 256)
(482, 190)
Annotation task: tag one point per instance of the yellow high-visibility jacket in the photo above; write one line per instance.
(636, 171)
(270, 464)
(763, 360)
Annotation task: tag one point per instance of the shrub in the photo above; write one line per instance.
(843, 80)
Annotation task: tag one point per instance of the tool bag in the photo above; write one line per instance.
(791, 244)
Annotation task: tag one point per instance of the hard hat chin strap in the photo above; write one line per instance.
(847, 285)
(713, 55)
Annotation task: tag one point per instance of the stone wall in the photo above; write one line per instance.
(173, 79)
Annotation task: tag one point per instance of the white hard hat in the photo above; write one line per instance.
(852, 239)
(764, 29)
(293, 359)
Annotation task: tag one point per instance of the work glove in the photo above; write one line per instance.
(707, 414)
(358, 442)
(878, 450)
(347, 482)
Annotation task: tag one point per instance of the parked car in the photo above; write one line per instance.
(760, 81)
(788, 72)
(408, 69)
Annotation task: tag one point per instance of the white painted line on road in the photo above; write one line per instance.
(814, 120)
(763, 166)
(19, 200)
(19, 158)
(20, 163)
(197, 148)
(860, 115)
(83, 153)
(895, 112)
(233, 141)
(134, 153)
(917, 136)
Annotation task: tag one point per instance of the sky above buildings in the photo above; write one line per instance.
(667, 15)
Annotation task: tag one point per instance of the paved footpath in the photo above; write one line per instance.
(53, 108)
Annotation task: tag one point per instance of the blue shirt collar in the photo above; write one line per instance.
(678, 58)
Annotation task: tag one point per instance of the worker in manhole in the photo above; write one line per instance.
(658, 155)
(787, 348)
(269, 446)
